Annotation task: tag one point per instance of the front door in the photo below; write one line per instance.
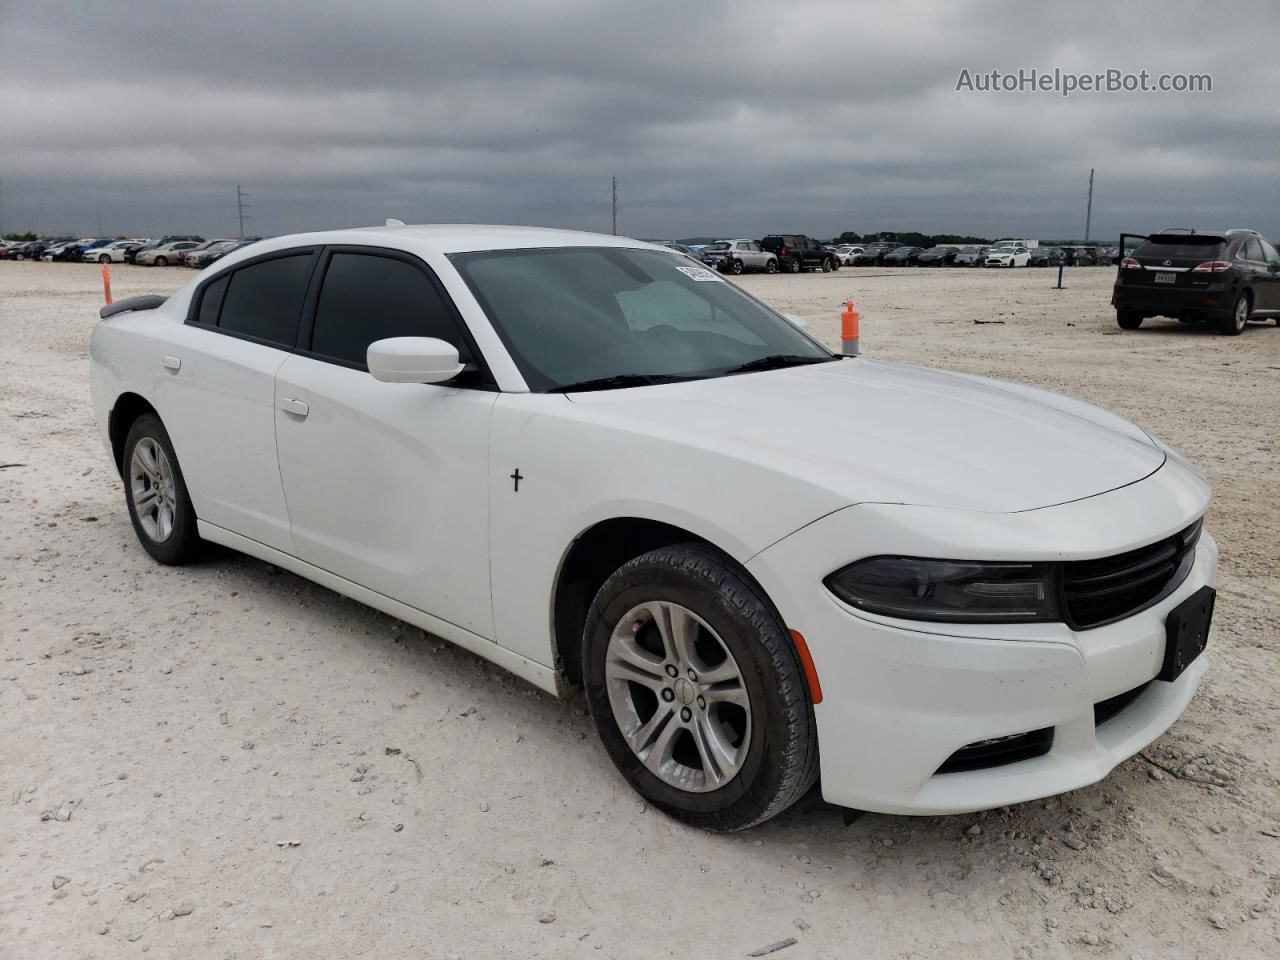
(387, 483)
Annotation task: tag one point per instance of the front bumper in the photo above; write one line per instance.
(902, 697)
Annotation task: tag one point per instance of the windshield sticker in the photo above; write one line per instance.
(701, 275)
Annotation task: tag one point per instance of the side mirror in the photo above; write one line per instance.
(795, 321)
(413, 360)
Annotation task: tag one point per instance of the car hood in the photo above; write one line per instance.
(872, 431)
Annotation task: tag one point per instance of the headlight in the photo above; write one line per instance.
(954, 590)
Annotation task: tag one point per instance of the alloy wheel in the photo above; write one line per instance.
(678, 696)
(152, 489)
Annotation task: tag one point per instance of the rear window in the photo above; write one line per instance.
(713, 247)
(1170, 246)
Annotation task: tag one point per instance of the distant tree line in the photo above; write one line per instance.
(21, 237)
(909, 239)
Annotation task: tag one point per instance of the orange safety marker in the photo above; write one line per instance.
(106, 282)
(849, 328)
(806, 662)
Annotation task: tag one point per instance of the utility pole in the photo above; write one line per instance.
(615, 206)
(1, 209)
(241, 207)
(1088, 210)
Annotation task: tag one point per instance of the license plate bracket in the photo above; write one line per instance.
(1186, 632)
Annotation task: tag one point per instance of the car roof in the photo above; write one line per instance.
(454, 238)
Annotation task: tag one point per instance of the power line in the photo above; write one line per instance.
(241, 207)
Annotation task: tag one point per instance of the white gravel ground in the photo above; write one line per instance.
(226, 761)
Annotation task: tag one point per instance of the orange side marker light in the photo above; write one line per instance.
(806, 661)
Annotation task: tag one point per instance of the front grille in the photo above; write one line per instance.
(998, 751)
(1097, 592)
(1105, 710)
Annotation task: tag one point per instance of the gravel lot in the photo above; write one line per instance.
(226, 761)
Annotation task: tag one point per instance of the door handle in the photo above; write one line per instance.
(298, 408)
(171, 362)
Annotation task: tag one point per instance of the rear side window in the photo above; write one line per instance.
(366, 298)
(264, 299)
(211, 301)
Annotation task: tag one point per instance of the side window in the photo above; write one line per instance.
(1269, 253)
(1253, 251)
(368, 297)
(264, 300)
(211, 301)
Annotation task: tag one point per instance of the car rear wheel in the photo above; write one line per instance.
(1234, 325)
(735, 267)
(1128, 320)
(696, 690)
(162, 261)
(19, 256)
(104, 259)
(156, 494)
(793, 266)
(771, 266)
(826, 265)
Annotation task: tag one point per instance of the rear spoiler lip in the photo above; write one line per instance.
(148, 302)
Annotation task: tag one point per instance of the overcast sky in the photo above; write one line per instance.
(718, 118)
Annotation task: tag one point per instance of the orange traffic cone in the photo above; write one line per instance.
(849, 328)
(106, 282)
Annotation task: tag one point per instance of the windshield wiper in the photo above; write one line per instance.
(777, 361)
(618, 381)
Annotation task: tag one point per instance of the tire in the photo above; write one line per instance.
(735, 267)
(767, 737)
(1234, 325)
(1128, 320)
(771, 266)
(161, 262)
(104, 259)
(168, 533)
(793, 265)
(19, 256)
(826, 265)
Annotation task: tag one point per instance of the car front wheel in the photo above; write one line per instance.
(156, 494)
(162, 261)
(696, 690)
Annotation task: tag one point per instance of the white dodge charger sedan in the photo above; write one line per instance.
(596, 463)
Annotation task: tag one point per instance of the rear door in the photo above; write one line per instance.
(1270, 278)
(387, 483)
(216, 392)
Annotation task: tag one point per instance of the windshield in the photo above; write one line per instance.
(578, 314)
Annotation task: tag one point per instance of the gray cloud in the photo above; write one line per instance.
(722, 117)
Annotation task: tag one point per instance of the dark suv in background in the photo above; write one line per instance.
(796, 252)
(1227, 277)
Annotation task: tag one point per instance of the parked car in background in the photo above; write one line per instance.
(739, 256)
(846, 253)
(970, 255)
(902, 257)
(1042, 257)
(743, 570)
(1226, 277)
(215, 251)
(23, 250)
(183, 254)
(1007, 253)
(113, 252)
(132, 256)
(795, 252)
(682, 248)
(872, 254)
(1086, 256)
(940, 256)
(64, 249)
(163, 255)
